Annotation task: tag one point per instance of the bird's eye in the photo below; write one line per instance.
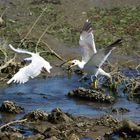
(73, 64)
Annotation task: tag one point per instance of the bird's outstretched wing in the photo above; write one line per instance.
(102, 55)
(97, 60)
(20, 77)
(18, 50)
(86, 42)
(109, 49)
(25, 73)
(32, 70)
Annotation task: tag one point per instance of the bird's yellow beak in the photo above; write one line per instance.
(70, 64)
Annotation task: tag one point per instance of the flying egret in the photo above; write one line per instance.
(91, 59)
(32, 70)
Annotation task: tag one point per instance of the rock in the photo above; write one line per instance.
(108, 120)
(91, 95)
(57, 116)
(134, 93)
(9, 129)
(11, 107)
(4, 136)
(137, 90)
(120, 110)
(16, 136)
(37, 115)
(73, 137)
(11, 136)
(52, 138)
(52, 131)
(35, 137)
(127, 130)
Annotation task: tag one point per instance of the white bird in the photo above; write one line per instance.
(32, 70)
(91, 59)
(87, 45)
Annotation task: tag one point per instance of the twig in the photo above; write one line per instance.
(7, 63)
(44, 33)
(53, 52)
(33, 25)
(41, 38)
(5, 54)
(13, 122)
(127, 62)
(4, 12)
(136, 53)
(137, 66)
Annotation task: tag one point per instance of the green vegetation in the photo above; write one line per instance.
(108, 25)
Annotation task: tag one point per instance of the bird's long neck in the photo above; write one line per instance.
(81, 64)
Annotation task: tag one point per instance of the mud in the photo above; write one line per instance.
(91, 95)
(127, 130)
(64, 126)
(57, 124)
(11, 107)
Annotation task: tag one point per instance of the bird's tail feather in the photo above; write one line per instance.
(113, 45)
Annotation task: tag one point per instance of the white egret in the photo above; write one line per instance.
(92, 60)
(32, 70)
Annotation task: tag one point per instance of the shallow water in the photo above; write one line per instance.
(47, 94)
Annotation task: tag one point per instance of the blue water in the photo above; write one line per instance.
(47, 94)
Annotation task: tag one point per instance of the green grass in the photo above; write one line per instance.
(108, 25)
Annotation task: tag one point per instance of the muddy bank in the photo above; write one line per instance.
(57, 124)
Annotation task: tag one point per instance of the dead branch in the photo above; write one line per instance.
(13, 122)
(33, 25)
(53, 52)
(7, 63)
(46, 30)
(137, 66)
(3, 50)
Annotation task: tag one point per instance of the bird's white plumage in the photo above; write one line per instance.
(93, 66)
(87, 45)
(32, 70)
(92, 60)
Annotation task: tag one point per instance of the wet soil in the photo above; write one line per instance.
(63, 126)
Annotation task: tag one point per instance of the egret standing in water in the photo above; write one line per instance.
(32, 70)
(92, 60)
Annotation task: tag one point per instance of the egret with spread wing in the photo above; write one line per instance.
(91, 59)
(32, 70)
